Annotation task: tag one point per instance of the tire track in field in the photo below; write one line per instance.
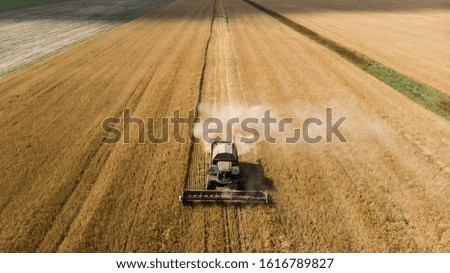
(94, 165)
(45, 109)
(223, 90)
(130, 225)
(44, 93)
(224, 83)
(99, 153)
(161, 111)
(216, 72)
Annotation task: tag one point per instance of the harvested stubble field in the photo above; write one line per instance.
(386, 189)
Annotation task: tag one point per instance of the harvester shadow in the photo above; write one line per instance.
(253, 177)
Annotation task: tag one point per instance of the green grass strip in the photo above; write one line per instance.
(430, 98)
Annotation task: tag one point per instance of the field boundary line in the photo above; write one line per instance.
(430, 98)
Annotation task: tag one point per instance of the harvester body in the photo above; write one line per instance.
(223, 166)
(223, 180)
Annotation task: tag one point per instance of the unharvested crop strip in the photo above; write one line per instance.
(100, 150)
(162, 108)
(430, 98)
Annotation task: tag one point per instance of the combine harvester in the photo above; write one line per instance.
(223, 182)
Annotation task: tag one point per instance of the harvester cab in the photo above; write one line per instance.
(224, 166)
(223, 180)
